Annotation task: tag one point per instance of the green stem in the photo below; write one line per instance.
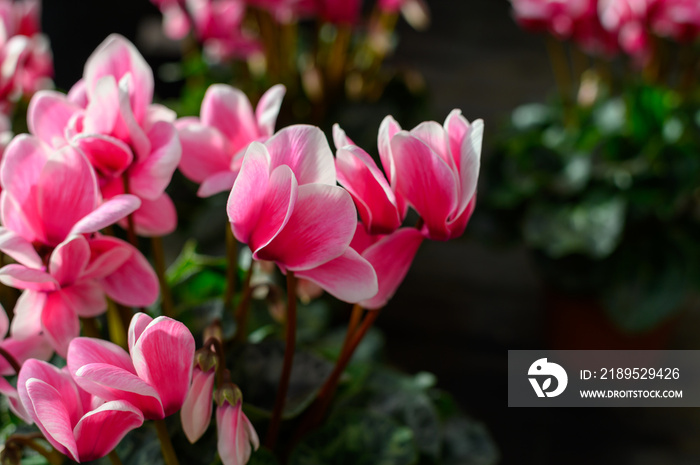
(243, 309)
(118, 320)
(231, 267)
(166, 446)
(159, 262)
(90, 327)
(273, 429)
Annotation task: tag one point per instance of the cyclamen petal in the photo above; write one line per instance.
(116, 417)
(268, 108)
(197, 408)
(306, 151)
(236, 437)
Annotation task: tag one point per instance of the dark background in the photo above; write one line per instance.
(464, 304)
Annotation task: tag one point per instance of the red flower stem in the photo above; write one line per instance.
(221, 362)
(166, 445)
(159, 262)
(243, 309)
(16, 366)
(355, 318)
(231, 267)
(327, 391)
(273, 429)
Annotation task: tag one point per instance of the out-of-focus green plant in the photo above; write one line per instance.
(607, 195)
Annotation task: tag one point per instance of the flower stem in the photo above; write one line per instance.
(231, 266)
(130, 230)
(273, 429)
(355, 319)
(159, 261)
(318, 410)
(90, 327)
(118, 320)
(11, 360)
(243, 309)
(166, 446)
(27, 440)
(114, 458)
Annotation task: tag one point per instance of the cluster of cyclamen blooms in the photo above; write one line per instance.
(219, 24)
(285, 204)
(605, 26)
(25, 57)
(104, 152)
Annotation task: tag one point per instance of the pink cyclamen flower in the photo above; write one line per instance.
(213, 144)
(628, 21)
(81, 272)
(34, 347)
(435, 169)
(344, 12)
(110, 117)
(286, 207)
(197, 409)
(50, 194)
(155, 378)
(236, 436)
(391, 256)
(379, 207)
(677, 19)
(76, 424)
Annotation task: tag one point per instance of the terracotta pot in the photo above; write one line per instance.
(580, 323)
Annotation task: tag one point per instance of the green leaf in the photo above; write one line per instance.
(357, 438)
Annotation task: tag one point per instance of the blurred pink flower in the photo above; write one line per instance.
(76, 424)
(628, 21)
(236, 436)
(80, 272)
(344, 12)
(390, 255)
(676, 19)
(213, 144)
(286, 207)
(197, 408)
(435, 169)
(109, 116)
(155, 378)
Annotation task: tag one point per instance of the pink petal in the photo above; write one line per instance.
(107, 254)
(19, 248)
(459, 224)
(163, 357)
(100, 430)
(69, 259)
(86, 350)
(66, 192)
(22, 163)
(235, 435)
(58, 379)
(102, 111)
(27, 320)
(370, 190)
(197, 408)
(276, 209)
(222, 181)
(86, 298)
(48, 115)
(434, 136)
(306, 151)
(139, 322)
(78, 94)
(156, 217)
(228, 110)
(248, 192)
(60, 322)
(349, 277)
(51, 416)
(426, 182)
(340, 139)
(21, 277)
(205, 150)
(35, 346)
(134, 284)
(387, 130)
(117, 57)
(113, 383)
(149, 178)
(129, 128)
(14, 402)
(110, 212)
(391, 258)
(109, 156)
(466, 141)
(21, 218)
(320, 229)
(362, 239)
(268, 108)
